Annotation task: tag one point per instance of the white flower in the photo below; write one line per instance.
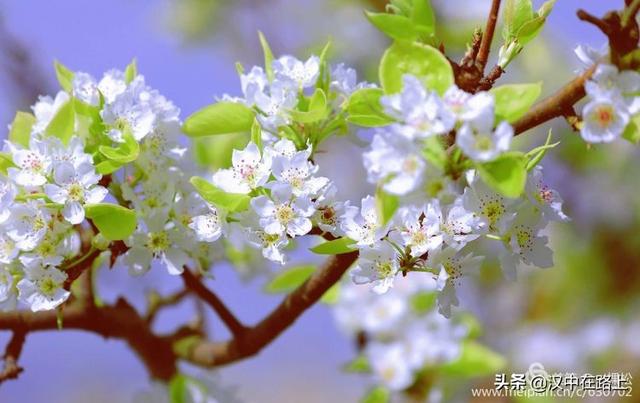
(604, 120)
(75, 186)
(208, 227)
(156, 240)
(275, 106)
(45, 109)
(395, 161)
(590, 56)
(85, 88)
(458, 225)
(344, 80)
(468, 107)
(249, 171)
(363, 225)
(72, 153)
(303, 74)
(543, 197)
(253, 83)
(490, 206)
(32, 165)
(377, 264)
(297, 172)
(28, 224)
(619, 86)
(7, 290)
(384, 312)
(8, 193)
(329, 211)
(283, 148)
(8, 249)
(42, 289)
(271, 244)
(390, 363)
(111, 85)
(129, 112)
(420, 228)
(452, 268)
(284, 213)
(422, 112)
(480, 142)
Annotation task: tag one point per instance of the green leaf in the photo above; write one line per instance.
(379, 394)
(114, 221)
(632, 131)
(232, 202)
(131, 71)
(317, 109)
(435, 153)
(20, 132)
(423, 61)
(395, 26)
(335, 247)
(423, 302)
(516, 13)
(215, 151)
(108, 166)
(386, 204)
(6, 162)
(125, 152)
(178, 391)
(332, 295)
(359, 365)
(475, 360)
(268, 56)
(63, 123)
(219, 118)
(289, 279)
(365, 110)
(64, 75)
(514, 100)
(423, 17)
(256, 134)
(529, 30)
(535, 156)
(507, 174)
(324, 74)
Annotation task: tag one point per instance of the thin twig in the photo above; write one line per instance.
(157, 302)
(487, 36)
(12, 354)
(228, 318)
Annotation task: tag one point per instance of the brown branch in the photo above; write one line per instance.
(157, 302)
(487, 36)
(209, 354)
(487, 82)
(556, 105)
(12, 354)
(228, 318)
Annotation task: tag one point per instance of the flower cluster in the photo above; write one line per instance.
(403, 333)
(445, 225)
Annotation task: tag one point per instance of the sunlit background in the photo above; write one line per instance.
(581, 316)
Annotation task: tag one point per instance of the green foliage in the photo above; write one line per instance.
(290, 278)
(215, 151)
(535, 156)
(178, 391)
(386, 204)
(423, 61)
(514, 100)
(507, 174)
(475, 360)
(268, 56)
(114, 222)
(131, 71)
(364, 108)
(358, 365)
(125, 152)
(332, 295)
(379, 394)
(62, 124)
(232, 202)
(6, 161)
(632, 131)
(423, 302)
(335, 247)
(20, 132)
(108, 166)
(219, 118)
(393, 25)
(64, 75)
(435, 153)
(521, 25)
(317, 109)
(412, 20)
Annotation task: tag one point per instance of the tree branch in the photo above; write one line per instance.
(228, 318)
(209, 354)
(487, 36)
(12, 354)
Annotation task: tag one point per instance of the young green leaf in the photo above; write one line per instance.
(393, 25)
(507, 174)
(379, 394)
(425, 62)
(423, 302)
(288, 279)
(335, 247)
(386, 204)
(256, 134)
(108, 166)
(324, 74)
(114, 221)
(365, 110)
(125, 152)
(215, 151)
(332, 295)
(632, 131)
(64, 75)
(219, 118)
(268, 56)
(435, 153)
(359, 365)
(516, 13)
(423, 17)
(535, 156)
(514, 100)
(6, 162)
(20, 132)
(529, 30)
(232, 202)
(178, 391)
(475, 360)
(317, 109)
(131, 71)
(63, 123)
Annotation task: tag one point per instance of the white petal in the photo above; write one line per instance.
(73, 212)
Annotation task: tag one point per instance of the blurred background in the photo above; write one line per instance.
(581, 316)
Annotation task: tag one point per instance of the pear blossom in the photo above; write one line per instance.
(604, 120)
(207, 227)
(42, 288)
(85, 88)
(8, 194)
(363, 225)
(452, 267)
(468, 107)
(543, 197)
(46, 109)
(283, 212)
(329, 212)
(28, 224)
(249, 171)
(420, 228)
(8, 249)
(129, 112)
(297, 172)
(459, 226)
(377, 264)
(622, 86)
(493, 208)
(75, 186)
(8, 297)
(111, 85)
(33, 165)
(480, 142)
(344, 80)
(275, 105)
(390, 364)
(303, 74)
